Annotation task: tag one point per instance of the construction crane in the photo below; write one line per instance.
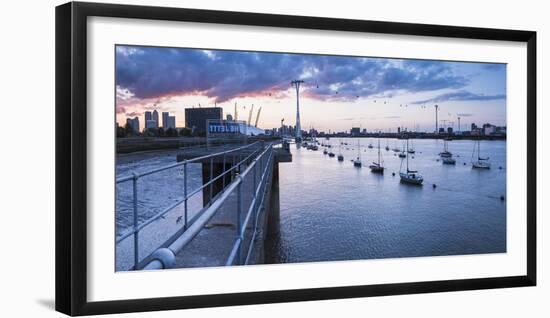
(250, 115)
(258, 117)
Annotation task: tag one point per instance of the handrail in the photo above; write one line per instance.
(191, 228)
(152, 219)
(240, 237)
(177, 164)
(190, 233)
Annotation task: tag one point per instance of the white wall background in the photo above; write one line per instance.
(27, 158)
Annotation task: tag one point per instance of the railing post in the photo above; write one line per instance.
(136, 231)
(210, 180)
(261, 164)
(223, 178)
(239, 217)
(254, 178)
(185, 193)
(233, 171)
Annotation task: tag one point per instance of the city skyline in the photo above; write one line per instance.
(339, 91)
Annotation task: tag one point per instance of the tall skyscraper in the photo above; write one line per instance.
(156, 118)
(165, 120)
(148, 116)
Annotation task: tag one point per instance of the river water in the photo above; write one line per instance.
(332, 210)
(156, 192)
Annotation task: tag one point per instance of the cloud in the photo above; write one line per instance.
(352, 118)
(494, 66)
(152, 72)
(460, 96)
(134, 114)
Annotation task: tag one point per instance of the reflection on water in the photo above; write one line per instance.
(331, 210)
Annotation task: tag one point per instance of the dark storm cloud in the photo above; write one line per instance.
(149, 72)
(460, 96)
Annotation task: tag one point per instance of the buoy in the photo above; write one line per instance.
(500, 168)
(465, 163)
(393, 174)
(434, 186)
(501, 198)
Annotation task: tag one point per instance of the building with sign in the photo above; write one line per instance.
(196, 118)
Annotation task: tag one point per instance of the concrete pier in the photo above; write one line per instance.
(214, 242)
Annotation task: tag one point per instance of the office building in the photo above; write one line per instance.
(489, 129)
(150, 121)
(171, 122)
(150, 124)
(134, 123)
(165, 120)
(156, 118)
(195, 118)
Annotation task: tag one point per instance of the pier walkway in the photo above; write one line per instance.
(240, 196)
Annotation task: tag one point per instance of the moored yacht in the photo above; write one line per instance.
(410, 176)
(480, 163)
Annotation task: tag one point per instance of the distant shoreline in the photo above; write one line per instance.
(394, 136)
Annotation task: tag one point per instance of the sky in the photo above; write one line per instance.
(339, 92)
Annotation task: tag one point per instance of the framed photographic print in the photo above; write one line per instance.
(208, 158)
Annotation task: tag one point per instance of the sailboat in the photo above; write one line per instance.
(403, 153)
(410, 176)
(314, 145)
(377, 167)
(396, 149)
(340, 156)
(411, 148)
(448, 160)
(480, 163)
(445, 153)
(357, 162)
(330, 153)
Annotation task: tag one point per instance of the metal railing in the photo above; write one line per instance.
(236, 158)
(259, 171)
(259, 157)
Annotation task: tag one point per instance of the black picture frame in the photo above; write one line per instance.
(71, 157)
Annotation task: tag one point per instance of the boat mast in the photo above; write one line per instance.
(478, 150)
(407, 156)
(378, 149)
